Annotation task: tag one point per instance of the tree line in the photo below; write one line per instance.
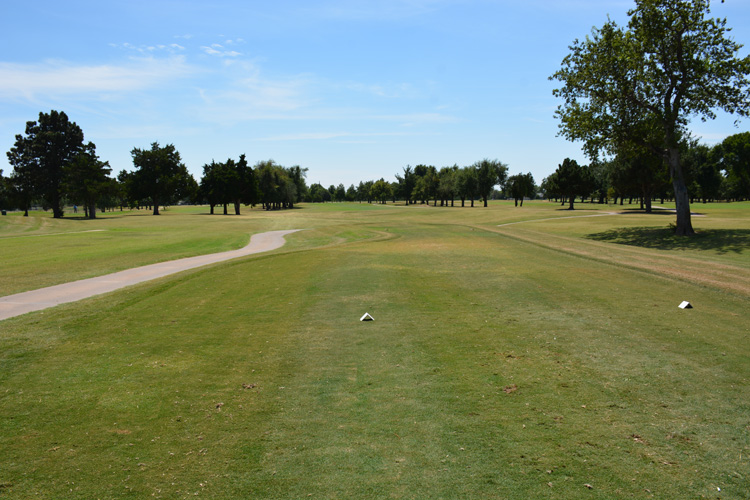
(426, 183)
(53, 167)
(711, 173)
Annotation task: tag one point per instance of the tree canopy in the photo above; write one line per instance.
(160, 176)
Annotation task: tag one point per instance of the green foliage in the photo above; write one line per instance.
(490, 173)
(160, 175)
(573, 180)
(40, 157)
(279, 187)
(521, 186)
(734, 158)
(87, 179)
(381, 191)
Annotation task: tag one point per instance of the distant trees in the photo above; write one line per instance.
(490, 173)
(572, 180)
(160, 175)
(734, 157)
(5, 192)
(87, 179)
(228, 183)
(381, 191)
(280, 187)
(521, 186)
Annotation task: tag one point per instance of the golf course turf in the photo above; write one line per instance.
(541, 359)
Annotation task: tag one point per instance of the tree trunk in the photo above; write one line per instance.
(92, 211)
(681, 199)
(156, 206)
(570, 207)
(236, 208)
(225, 209)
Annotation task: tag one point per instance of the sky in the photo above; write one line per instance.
(352, 90)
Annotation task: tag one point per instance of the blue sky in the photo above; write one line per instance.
(353, 90)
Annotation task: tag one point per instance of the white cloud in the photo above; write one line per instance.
(54, 78)
(147, 50)
(218, 50)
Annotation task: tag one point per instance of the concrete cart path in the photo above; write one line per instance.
(35, 300)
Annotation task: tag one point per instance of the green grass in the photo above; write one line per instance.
(520, 361)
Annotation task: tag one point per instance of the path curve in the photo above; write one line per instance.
(35, 300)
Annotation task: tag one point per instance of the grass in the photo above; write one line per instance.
(520, 361)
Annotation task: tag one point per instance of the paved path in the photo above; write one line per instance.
(35, 300)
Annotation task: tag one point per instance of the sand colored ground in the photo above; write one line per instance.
(35, 300)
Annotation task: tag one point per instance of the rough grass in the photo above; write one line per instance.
(523, 361)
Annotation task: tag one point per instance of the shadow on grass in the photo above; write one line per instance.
(719, 240)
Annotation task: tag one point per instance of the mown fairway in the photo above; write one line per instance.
(539, 359)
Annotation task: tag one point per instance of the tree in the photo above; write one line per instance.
(521, 186)
(340, 193)
(318, 194)
(734, 154)
(641, 85)
(571, 180)
(490, 173)
(447, 185)
(550, 188)
(702, 160)
(87, 179)
(351, 193)
(40, 156)
(5, 195)
(297, 175)
(644, 173)
(466, 184)
(160, 175)
(406, 184)
(381, 191)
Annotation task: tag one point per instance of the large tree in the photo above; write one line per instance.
(642, 84)
(160, 176)
(39, 158)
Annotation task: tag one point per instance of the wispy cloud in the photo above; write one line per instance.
(148, 50)
(50, 78)
(217, 49)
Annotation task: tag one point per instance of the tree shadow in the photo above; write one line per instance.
(718, 240)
